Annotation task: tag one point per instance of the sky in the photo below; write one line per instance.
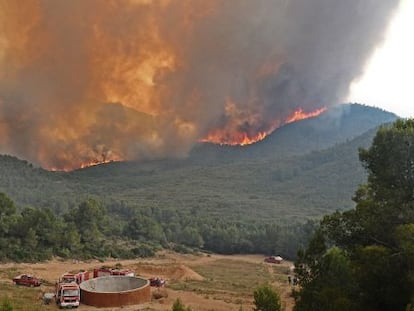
(387, 82)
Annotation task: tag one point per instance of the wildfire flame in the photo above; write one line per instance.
(223, 137)
(300, 115)
(94, 163)
(234, 139)
(83, 165)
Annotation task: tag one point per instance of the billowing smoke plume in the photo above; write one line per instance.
(84, 81)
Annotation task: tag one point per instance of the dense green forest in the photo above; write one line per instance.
(91, 231)
(363, 258)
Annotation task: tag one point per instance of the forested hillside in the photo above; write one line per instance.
(295, 188)
(220, 205)
(261, 182)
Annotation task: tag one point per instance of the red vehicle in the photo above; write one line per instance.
(76, 277)
(157, 282)
(67, 295)
(110, 271)
(26, 280)
(124, 272)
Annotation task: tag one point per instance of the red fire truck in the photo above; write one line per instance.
(77, 277)
(67, 295)
(111, 271)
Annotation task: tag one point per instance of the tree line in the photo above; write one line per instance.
(93, 230)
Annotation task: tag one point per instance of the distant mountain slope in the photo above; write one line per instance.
(279, 178)
(338, 124)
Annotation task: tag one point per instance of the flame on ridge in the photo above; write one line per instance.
(223, 137)
(85, 164)
(300, 115)
(234, 139)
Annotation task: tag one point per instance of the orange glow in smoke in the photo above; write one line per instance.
(93, 82)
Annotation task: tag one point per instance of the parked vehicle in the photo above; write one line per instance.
(26, 280)
(157, 282)
(110, 271)
(67, 295)
(77, 277)
(124, 272)
(273, 259)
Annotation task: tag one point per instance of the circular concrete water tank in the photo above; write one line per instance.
(115, 291)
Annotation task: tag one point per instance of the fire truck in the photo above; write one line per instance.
(110, 271)
(67, 289)
(77, 277)
(67, 295)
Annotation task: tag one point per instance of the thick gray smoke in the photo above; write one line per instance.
(91, 81)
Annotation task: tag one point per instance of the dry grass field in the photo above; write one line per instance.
(204, 282)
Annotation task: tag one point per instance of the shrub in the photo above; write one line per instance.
(266, 299)
(179, 306)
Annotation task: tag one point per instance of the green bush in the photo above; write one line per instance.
(266, 299)
(179, 306)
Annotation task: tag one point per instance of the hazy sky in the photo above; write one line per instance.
(388, 79)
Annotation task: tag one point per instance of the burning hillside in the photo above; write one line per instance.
(92, 81)
(235, 135)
